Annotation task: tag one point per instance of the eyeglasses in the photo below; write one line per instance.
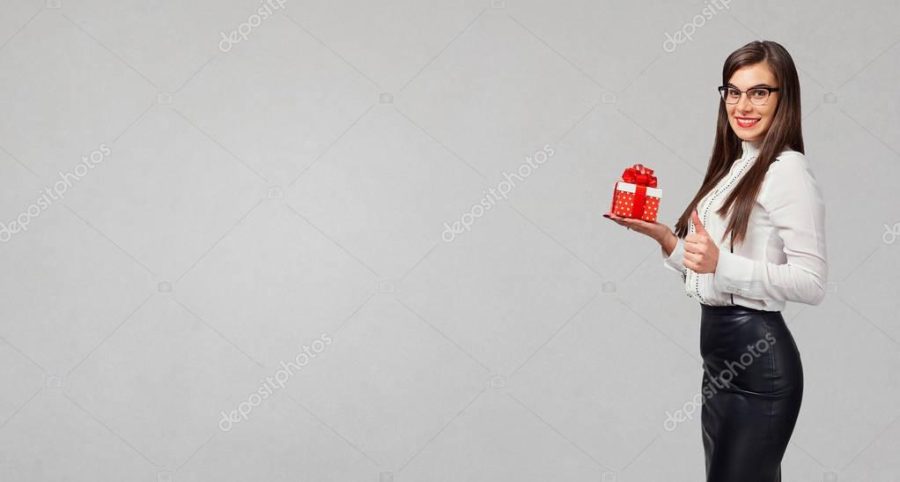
(757, 95)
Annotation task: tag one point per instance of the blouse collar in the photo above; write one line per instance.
(750, 149)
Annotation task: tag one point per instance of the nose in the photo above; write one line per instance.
(744, 104)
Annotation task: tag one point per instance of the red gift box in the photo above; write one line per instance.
(636, 195)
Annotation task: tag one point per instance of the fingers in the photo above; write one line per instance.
(693, 242)
(632, 222)
(694, 258)
(638, 225)
(617, 219)
(695, 247)
(698, 226)
(613, 218)
(697, 240)
(693, 263)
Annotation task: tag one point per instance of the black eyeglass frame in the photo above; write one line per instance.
(723, 88)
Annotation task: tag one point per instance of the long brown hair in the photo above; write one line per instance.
(783, 133)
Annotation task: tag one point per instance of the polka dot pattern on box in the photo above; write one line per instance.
(625, 202)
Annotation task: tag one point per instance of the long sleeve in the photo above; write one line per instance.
(794, 203)
(675, 260)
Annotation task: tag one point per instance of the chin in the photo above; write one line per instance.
(747, 136)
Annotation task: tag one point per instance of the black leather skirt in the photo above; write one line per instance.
(752, 389)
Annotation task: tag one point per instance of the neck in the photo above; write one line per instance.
(751, 148)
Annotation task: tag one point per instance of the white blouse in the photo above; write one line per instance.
(783, 256)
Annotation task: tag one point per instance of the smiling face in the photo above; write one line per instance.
(749, 121)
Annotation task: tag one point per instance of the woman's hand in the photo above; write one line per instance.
(657, 231)
(700, 252)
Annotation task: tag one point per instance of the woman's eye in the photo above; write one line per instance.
(734, 93)
(759, 93)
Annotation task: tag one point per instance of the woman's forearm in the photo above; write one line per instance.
(668, 242)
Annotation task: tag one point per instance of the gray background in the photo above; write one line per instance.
(299, 183)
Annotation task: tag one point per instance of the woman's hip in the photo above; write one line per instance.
(749, 350)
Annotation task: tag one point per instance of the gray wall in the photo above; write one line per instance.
(224, 254)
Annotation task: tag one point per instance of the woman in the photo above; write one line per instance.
(758, 192)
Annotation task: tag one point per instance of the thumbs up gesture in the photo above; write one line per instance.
(701, 254)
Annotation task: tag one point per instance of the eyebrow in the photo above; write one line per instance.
(751, 87)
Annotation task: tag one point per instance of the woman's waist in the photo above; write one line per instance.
(728, 330)
(733, 310)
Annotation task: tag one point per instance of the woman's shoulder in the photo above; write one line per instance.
(789, 171)
(791, 155)
(789, 162)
